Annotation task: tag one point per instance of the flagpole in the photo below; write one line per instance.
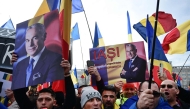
(153, 45)
(87, 23)
(183, 65)
(82, 59)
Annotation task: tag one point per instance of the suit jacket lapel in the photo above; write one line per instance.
(39, 66)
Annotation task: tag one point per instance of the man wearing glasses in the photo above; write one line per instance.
(170, 91)
(147, 98)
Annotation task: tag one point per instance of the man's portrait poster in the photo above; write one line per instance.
(126, 62)
(38, 45)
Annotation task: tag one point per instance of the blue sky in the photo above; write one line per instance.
(110, 16)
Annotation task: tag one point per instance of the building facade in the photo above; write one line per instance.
(184, 73)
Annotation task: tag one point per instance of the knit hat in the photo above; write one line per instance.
(88, 93)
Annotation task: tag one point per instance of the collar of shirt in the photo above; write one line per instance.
(133, 58)
(36, 58)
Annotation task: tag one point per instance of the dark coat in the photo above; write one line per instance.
(47, 69)
(133, 75)
(24, 102)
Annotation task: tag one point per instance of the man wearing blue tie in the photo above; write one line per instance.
(135, 67)
(41, 65)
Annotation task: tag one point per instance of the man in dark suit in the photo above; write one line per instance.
(41, 65)
(135, 67)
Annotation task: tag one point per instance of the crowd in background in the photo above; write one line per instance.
(167, 95)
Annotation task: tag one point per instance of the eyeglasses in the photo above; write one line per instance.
(155, 93)
(169, 86)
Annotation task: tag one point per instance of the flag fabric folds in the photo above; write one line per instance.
(8, 25)
(159, 56)
(177, 41)
(74, 78)
(75, 32)
(129, 28)
(98, 40)
(77, 6)
(65, 28)
(165, 23)
(44, 8)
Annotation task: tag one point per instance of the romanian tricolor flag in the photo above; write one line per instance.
(165, 23)
(159, 56)
(98, 40)
(65, 28)
(129, 28)
(177, 41)
(7, 77)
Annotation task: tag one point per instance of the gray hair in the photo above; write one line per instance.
(131, 45)
(39, 28)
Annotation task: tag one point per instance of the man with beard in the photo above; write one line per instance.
(170, 91)
(109, 98)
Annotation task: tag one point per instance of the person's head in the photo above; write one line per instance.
(154, 87)
(128, 90)
(34, 39)
(169, 89)
(46, 99)
(109, 96)
(131, 50)
(90, 98)
(80, 89)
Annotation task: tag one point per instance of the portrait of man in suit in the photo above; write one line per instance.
(41, 65)
(134, 67)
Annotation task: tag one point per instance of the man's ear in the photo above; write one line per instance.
(177, 91)
(54, 102)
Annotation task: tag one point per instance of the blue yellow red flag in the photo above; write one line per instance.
(159, 56)
(165, 23)
(177, 41)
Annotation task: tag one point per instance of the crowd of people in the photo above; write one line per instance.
(167, 95)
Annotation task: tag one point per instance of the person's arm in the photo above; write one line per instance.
(20, 94)
(184, 95)
(10, 95)
(100, 85)
(118, 85)
(70, 99)
(22, 99)
(99, 81)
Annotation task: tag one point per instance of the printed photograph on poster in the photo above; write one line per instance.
(126, 62)
(38, 45)
(134, 68)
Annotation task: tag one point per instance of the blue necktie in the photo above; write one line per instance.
(29, 70)
(130, 62)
